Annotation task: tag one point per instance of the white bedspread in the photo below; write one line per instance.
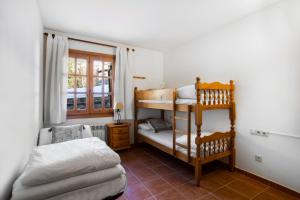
(49, 163)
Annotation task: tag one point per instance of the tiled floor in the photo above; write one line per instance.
(153, 174)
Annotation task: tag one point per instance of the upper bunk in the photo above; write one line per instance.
(208, 96)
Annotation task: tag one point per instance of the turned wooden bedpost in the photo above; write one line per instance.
(232, 116)
(135, 114)
(174, 122)
(198, 123)
(189, 132)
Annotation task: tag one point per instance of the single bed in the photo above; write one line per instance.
(79, 169)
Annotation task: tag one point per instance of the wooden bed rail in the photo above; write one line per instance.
(157, 94)
(216, 146)
(215, 94)
(214, 137)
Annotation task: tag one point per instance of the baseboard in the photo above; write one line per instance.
(269, 183)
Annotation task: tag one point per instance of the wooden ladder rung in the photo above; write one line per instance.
(181, 145)
(180, 118)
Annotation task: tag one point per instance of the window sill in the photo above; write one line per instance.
(96, 115)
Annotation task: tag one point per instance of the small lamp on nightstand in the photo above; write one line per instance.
(118, 107)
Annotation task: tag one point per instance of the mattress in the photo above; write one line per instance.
(187, 95)
(95, 192)
(21, 192)
(178, 101)
(165, 138)
(54, 162)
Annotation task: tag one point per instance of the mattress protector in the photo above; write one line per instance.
(54, 162)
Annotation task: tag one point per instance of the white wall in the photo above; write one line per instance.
(262, 54)
(20, 86)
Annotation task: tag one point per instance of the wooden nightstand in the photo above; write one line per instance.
(118, 136)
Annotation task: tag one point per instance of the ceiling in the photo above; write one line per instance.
(154, 24)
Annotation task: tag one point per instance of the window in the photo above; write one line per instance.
(90, 84)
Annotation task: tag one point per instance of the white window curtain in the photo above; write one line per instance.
(55, 93)
(123, 85)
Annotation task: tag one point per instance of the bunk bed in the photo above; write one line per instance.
(194, 148)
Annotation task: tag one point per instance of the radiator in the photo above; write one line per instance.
(99, 131)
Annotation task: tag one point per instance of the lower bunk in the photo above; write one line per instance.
(212, 146)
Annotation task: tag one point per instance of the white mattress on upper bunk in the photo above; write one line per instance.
(178, 101)
(166, 138)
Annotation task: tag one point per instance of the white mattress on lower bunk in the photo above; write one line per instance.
(72, 184)
(178, 101)
(166, 138)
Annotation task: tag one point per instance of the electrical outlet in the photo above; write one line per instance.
(259, 132)
(258, 158)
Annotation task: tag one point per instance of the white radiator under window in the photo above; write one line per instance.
(99, 131)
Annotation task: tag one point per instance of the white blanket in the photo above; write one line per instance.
(49, 163)
(21, 192)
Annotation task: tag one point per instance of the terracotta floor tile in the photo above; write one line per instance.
(157, 186)
(188, 174)
(152, 172)
(176, 180)
(209, 183)
(145, 174)
(137, 192)
(122, 197)
(221, 176)
(131, 179)
(274, 194)
(150, 198)
(152, 163)
(227, 194)
(163, 170)
(246, 188)
(190, 191)
(170, 195)
(209, 197)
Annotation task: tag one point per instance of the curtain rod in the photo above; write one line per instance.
(86, 41)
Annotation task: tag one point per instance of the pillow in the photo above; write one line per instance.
(45, 136)
(66, 133)
(159, 125)
(186, 92)
(145, 126)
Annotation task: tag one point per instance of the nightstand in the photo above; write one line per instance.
(118, 135)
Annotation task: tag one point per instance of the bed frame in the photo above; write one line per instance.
(210, 96)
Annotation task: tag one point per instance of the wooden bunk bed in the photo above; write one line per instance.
(198, 149)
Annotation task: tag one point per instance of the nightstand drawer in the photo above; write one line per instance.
(120, 136)
(118, 131)
(120, 144)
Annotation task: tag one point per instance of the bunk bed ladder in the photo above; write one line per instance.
(174, 122)
(187, 132)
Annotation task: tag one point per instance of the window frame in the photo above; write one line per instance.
(90, 111)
